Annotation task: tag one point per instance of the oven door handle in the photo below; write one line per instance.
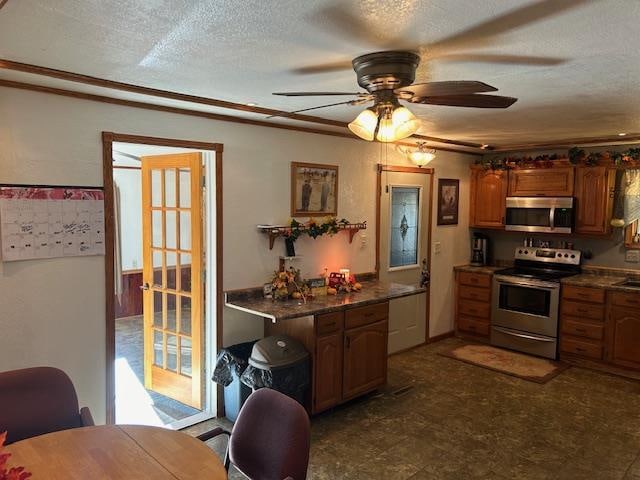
(523, 335)
(531, 285)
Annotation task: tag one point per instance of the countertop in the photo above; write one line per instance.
(608, 282)
(250, 301)
(485, 269)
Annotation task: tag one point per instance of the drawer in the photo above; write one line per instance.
(584, 348)
(579, 328)
(474, 309)
(474, 279)
(583, 294)
(356, 317)
(329, 323)
(582, 310)
(625, 299)
(473, 325)
(474, 293)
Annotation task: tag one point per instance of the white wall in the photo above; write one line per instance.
(53, 310)
(454, 242)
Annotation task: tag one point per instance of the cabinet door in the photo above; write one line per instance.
(488, 198)
(624, 326)
(365, 359)
(328, 372)
(594, 203)
(541, 182)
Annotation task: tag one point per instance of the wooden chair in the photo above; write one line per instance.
(270, 439)
(35, 401)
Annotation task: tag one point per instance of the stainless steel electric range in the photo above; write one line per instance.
(526, 300)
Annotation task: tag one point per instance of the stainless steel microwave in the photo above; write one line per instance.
(540, 214)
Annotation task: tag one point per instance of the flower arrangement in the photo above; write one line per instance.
(13, 473)
(576, 156)
(330, 226)
(289, 283)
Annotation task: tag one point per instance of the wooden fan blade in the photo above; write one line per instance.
(437, 89)
(359, 101)
(324, 68)
(506, 22)
(504, 59)
(476, 101)
(314, 94)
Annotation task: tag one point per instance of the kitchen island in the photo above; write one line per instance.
(346, 336)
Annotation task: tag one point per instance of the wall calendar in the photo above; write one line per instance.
(47, 222)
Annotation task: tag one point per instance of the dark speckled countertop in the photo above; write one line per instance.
(486, 269)
(606, 281)
(252, 301)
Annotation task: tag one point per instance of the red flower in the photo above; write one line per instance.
(14, 473)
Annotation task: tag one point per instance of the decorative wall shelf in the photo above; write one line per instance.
(275, 231)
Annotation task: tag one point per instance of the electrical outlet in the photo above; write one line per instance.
(437, 248)
(632, 256)
(363, 239)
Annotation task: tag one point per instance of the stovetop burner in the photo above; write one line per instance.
(546, 264)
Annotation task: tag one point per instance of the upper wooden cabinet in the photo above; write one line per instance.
(488, 198)
(594, 191)
(541, 182)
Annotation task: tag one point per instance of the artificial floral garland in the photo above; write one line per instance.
(330, 226)
(576, 156)
(13, 473)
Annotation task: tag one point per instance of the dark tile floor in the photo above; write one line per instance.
(130, 347)
(459, 421)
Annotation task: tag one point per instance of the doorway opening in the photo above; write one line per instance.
(166, 254)
(403, 241)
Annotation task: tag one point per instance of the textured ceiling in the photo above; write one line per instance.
(243, 50)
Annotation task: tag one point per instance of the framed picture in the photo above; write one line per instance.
(448, 197)
(314, 190)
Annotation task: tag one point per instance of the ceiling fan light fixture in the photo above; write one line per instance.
(404, 122)
(364, 125)
(386, 129)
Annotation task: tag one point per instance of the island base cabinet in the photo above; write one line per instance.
(365, 359)
(624, 329)
(328, 362)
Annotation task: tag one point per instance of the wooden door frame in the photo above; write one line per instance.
(402, 169)
(108, 138)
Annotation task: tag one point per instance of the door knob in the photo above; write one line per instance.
(144, 286)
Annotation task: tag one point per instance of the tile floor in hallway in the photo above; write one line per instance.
(461, 421)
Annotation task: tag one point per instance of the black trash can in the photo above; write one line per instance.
(230, 365)
(281, 363)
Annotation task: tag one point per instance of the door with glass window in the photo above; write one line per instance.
(404, 246)
(172, 276)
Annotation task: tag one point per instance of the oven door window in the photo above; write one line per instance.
(530, 217)
(530, 300)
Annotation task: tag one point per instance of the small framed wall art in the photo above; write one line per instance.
(448, 198)
(314, 190)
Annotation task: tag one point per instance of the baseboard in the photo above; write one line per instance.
(442, 336)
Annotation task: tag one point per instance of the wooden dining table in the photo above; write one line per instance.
(116, 452)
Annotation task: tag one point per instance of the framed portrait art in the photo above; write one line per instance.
(314, 190)
(448, 197)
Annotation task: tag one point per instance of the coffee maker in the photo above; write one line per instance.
(479, 250)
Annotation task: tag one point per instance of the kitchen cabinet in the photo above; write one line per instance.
(327, 365)
(488, 198)
(473, 305)
(582, 322)
(348, 351)
(594, 192)
(541, 182)
(624, 329)
(365, 359)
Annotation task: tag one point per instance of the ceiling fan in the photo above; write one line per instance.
(388, 78)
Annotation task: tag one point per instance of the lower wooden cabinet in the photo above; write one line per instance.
(348, 352)
(365, 359)
(624, 332)
(473, 305)
(327, 364)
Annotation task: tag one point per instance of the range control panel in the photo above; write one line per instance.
(550, 255)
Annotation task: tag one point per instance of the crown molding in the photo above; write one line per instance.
(569, 142)
(213, 102)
